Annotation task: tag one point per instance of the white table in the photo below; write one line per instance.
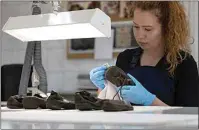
(140, 117)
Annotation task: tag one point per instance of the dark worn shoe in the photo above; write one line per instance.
(117, 76)
(34, 102)
(57, 102)
(85, 101)
(15, 102)
(116, 105)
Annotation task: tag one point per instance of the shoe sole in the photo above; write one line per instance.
(11, 106)
(32, 102)
(118, 77)
(116, 105)
(53, 105)
(83, 106)
(59, 105)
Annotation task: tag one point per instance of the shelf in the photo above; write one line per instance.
(121, 23)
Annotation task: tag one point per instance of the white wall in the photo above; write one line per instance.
(0, 40)
(61, 73)
(192, 13)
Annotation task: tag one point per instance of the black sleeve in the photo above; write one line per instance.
(123, 60)
(187, 83)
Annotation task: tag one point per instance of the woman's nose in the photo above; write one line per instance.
(140, 34)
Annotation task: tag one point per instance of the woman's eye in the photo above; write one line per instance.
(135, 26)
(147, 29)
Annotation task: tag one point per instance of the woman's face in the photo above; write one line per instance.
(147, 30)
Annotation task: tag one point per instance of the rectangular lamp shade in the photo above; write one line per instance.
(91, 23)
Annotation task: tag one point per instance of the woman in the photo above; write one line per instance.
(162, 67)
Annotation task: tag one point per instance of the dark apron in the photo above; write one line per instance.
(156, 81)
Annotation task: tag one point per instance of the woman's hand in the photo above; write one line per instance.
(137, 94)
(97, 76)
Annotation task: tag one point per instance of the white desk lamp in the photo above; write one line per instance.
(39, 27)
(90, 23)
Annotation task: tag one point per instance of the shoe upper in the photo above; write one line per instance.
(57, 102)
(117, 76)
(86, 95)
(55, 96)
(15, 101)
(84, 98)
(85, 101)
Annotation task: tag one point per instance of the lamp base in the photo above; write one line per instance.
(35, 90)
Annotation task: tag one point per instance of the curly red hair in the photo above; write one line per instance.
(175, 27)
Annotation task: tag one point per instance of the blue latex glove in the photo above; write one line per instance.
(97, 76)
(137, 94)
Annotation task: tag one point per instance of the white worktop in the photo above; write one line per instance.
(140, 117)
